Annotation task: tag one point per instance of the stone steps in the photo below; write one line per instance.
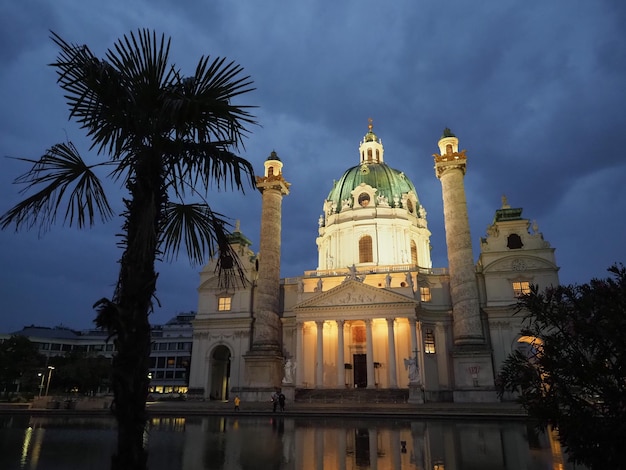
(357, 395)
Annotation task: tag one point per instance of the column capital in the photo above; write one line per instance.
(276, 182)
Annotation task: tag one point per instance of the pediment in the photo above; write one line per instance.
(519, 263)
(353, 294)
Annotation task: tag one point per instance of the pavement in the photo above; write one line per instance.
(347, 409)
(486, 411)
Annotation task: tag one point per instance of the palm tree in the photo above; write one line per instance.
(165, 137)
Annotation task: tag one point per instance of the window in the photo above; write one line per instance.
(413, 253)
(365, 249)
(171, 361)
(521, 288)
(364, 199)
(409, 207)
(425, 294)
(182, 362)
(429, 342)
(514, 242)
(223, 304)
(160, 362)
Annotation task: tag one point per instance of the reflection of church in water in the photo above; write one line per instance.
(374, 315)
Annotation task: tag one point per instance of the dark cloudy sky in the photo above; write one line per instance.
(535, 91)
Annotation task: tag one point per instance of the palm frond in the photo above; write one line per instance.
(205, 165)
(60, 168)
(201, 105)
(201, 232)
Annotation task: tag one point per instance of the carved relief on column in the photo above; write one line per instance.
(267, 325)
(463, 289)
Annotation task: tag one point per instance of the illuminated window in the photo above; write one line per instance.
(521, 288)
(365, 249)
(429, 342)
(223, 304)
(413, 253)
(425, 294)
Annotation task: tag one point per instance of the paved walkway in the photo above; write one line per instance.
(319, 410)
(390, 410)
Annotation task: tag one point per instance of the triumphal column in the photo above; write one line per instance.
(471, 356)
(264, 362)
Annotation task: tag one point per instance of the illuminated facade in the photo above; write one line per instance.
(375, 314)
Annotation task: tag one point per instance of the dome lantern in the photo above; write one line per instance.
(371, 148)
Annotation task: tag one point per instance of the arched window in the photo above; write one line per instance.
(270, 171)
(413, 253)
(365, 249)
(369, 155)
(377, 155)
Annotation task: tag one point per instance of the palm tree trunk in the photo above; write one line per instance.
(136, 287)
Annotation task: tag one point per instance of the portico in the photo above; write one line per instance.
(355, 335)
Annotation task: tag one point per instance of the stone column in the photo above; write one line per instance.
(267, 326)
(393, 373)
(450, 168)
(319, 366)
(299, 353)
(341, 370)
(470, 348)
(371, 379)
(264, 361)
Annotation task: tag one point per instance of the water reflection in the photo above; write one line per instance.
(196, 443)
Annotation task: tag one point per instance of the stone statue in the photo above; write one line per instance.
(352, 275)
(320, 221)
(388, 281)
(411, 365)
(300, 286)
(319, 285)
(409, 280)
(290, 369)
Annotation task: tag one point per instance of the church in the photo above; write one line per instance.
(374, 314)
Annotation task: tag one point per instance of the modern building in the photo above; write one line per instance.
(169, 360)
(374, 313)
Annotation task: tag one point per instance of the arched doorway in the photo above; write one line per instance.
(220, 373)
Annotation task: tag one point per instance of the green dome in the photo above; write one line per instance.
(389, 183)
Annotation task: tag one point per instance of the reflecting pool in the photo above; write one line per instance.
(198, 443)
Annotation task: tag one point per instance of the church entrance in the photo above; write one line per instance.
(360, 370)
(220, 373)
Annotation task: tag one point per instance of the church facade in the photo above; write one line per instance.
(374, 313)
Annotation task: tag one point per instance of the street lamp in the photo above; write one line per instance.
(43, 376)
(50, 369)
